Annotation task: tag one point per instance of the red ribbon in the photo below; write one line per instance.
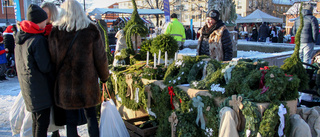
(261, 84)
(288, 75)
(171, 93)
(265, 68)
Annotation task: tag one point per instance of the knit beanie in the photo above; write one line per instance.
(36, 14)
(214, 14)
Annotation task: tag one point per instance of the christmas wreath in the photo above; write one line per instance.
(177, 72)
(139, 100)
(251, 114)
(270, 120)
(213, 71)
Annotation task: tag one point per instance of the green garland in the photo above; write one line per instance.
(293, 65)
(105, 32)
(252, 116)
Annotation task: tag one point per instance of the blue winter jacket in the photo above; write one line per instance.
(3, 58)
(310, 30)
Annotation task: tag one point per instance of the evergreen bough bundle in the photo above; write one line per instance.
(133, 27)
(164, 42)
(293, 65)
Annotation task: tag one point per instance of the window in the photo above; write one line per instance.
(10, 3)
(193, 16)
(186, 16)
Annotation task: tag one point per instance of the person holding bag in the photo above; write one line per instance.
(77, 50)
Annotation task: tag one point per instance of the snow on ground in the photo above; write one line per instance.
(10, 89)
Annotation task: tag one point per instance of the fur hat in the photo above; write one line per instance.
(213, 14)
(36, 14)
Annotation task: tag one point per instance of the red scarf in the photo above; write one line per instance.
(30, 27)
(48, 29)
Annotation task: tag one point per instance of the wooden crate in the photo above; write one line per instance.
(134, 130)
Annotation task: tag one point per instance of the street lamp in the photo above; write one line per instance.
(5, 3)
(200, 8)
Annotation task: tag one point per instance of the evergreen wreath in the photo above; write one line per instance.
(214, 75)
(122, 91)
(211, 116)
(270, 120)
(241, 71)
(251, 114)
(181, 70)
(293, 65)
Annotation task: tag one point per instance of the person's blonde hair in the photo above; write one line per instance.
(52, 9)
(72, 17)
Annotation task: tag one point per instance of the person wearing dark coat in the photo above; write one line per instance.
(77, 85)
(309, 33)
(263, 32)
(188, 32)
(8, 42)
(281, 35)
(215, 40)
(33, 65)
(254, 34)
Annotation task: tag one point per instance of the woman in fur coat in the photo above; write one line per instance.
(214, 39)
(77, 71)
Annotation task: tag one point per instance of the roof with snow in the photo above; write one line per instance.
(295, 8)
(125, 11)
(287, 2)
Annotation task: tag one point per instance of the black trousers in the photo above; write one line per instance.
(40, 124)
(72, 122)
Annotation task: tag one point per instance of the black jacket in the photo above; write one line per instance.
(33, 65)
(310, 30)
(263, 31)
(8, 42)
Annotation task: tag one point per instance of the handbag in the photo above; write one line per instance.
(111, 123)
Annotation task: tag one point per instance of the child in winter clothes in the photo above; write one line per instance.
(3, 61)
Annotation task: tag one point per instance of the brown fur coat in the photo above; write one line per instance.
(215, 44)
(77, 84)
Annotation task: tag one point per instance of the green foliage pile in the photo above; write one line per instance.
(164, 42)
(293, 65)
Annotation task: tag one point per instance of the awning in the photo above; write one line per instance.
(126, 11)
(126, 19)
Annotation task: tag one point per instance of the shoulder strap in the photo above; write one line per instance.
(69, 48)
